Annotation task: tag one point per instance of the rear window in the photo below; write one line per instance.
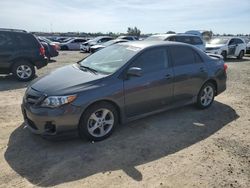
(25, 40)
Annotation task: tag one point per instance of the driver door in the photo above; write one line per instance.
(154, 88)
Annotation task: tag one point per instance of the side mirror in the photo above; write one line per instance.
(134, 71)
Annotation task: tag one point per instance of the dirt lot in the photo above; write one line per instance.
(178, 148)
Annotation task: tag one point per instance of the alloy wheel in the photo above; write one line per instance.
(100, 122)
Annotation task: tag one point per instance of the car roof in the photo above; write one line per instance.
(175, 34)
(147, 44)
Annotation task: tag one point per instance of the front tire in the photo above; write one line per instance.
(206, 96)
(241, 54)
(23, 70)
(98, 121)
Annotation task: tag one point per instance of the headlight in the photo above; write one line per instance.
(56, 101)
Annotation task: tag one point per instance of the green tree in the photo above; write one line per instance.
(134, 31)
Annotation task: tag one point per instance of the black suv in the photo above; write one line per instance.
(20, 53)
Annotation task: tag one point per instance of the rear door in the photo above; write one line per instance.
(154, 89)
(6, 50)
(190, 72)
(240, 45)
(232, 45)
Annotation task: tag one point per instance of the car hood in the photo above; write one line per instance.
(215, 45)
(67, 80)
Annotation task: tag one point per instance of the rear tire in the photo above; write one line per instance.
(23, 71)
(206, 96)
(224, 55)
(98, 121)
(241, 54)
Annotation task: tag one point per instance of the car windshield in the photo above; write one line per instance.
(110, 59)
(218, 41)
(156, 38)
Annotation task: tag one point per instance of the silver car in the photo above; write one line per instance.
(185, 38)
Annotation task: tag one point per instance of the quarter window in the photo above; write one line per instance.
(152, 60)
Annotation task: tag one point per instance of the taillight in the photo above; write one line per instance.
(225, 67)
(42, 51)
(55, 47)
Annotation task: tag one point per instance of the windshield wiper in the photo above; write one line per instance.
(89, 69)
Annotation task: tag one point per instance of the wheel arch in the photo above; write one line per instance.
(117, 107)
(214, 82)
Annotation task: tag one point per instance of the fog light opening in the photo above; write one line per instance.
(50, 127)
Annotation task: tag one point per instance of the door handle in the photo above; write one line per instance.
(202, 69)
(168, 76)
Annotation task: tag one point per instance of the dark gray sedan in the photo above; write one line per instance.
(120, 83)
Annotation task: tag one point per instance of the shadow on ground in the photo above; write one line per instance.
(49, 163)
(9, 82)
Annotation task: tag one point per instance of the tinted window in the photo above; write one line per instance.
(171, 39)
(232, 42)
(197, 41)
(239, 41)
(152, 60)
(26, 40)
(184, 39)
(197, 57)
(105, 39)
(182, 55)
(79, 40)
(5, 40)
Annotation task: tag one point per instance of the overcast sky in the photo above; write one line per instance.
(150, 16)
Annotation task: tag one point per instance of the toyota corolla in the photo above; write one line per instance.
(121, 83)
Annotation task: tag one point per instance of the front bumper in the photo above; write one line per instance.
(48, 121)
(218, 52)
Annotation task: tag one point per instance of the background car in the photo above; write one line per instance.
(72, 44)
(20, 53)
(185, 38)
(247, 40)
(51, 48)
(97, 47)
(85, 47)
(131, 38)
(121, 83)
(227, 46)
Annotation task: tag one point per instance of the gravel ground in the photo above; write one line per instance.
(184, 147)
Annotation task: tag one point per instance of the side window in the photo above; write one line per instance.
(239, 41)
(232, 42)
(79, 40)
(152, 60)
(182, 55)
(184, 39)
(197, 57)
(197, 41)
(26, 40)
(6, 41)
(105, 39)
(171, 39)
